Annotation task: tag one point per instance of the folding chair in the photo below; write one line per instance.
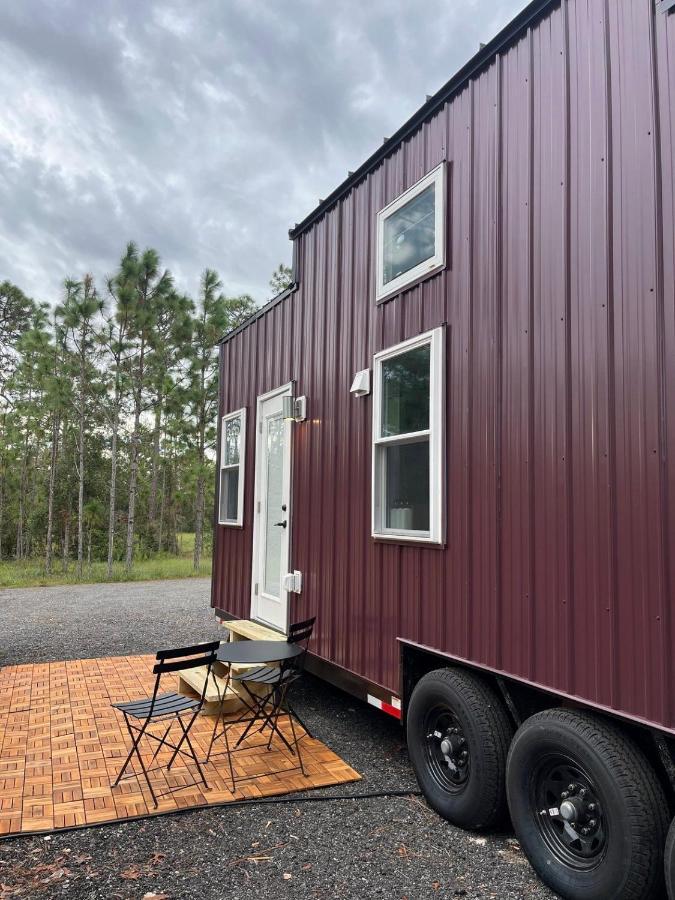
(269, 705)
(165, 708)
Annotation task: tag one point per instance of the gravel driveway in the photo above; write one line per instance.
(392, 847)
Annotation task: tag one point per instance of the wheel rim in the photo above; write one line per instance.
(568, 810)
(447, 750)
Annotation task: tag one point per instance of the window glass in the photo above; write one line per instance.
(407, 486)
(409, 235)
(232, 432)
(273, 499)
(405, 392)
(229, 493)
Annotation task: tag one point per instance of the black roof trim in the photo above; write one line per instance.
(260, 312)
(535, 10)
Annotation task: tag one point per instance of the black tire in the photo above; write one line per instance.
(669, 861)
(467, 714)
(587, 807)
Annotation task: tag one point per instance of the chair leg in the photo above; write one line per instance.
(297, 745)
(300, 722)
(135, 749)
(176, 749)
(161, 743)
(229, 756)
(186, 734)
(258, 711)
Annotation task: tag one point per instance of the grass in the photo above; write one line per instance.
(30, 572)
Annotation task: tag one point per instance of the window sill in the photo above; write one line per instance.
(414, 282)
(239, 525)
(408, 541)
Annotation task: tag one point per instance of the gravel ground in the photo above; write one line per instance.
(392, 847)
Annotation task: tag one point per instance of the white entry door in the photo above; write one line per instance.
(272, 509)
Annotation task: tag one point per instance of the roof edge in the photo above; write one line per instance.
(260, 312)
(481, 60)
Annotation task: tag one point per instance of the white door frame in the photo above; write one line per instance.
(258, 529)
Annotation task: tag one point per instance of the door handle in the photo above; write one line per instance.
(281, 524)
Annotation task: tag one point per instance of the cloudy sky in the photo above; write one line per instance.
(203, 128)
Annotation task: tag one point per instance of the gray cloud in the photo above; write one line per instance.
(204, 129)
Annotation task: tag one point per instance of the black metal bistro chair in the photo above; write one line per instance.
(275, 682)
(167, 709)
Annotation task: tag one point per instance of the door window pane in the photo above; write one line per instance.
(409, 235)
(407, 486)
(405, 392)
(229, 493)
(274, 500)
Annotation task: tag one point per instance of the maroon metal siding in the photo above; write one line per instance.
(559, 302)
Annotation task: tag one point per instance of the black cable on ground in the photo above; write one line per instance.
(254, 801)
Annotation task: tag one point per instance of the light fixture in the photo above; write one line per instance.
(361, 383)
(294, 408)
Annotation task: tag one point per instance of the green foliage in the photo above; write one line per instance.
(282, 278)
(108, 425)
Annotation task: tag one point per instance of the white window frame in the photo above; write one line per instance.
(435, 433)
(437, 176)
(241, 465)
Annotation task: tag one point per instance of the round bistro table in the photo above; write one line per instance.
(257, 652)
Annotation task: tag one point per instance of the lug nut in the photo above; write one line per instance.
(592, 807)
(570, 788)
(564, 795)
(582, 792)
(593, 822)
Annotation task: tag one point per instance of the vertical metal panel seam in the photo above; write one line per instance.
(499, 388)
(568, 468)
(611, 377)
(532, 606)
(665, 655)
(470, 643)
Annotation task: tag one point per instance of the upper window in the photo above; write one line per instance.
(411, 234)
(232, 457)
(408, 440)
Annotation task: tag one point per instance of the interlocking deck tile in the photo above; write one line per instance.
(62, 745)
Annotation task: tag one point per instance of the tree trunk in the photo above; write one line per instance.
(113, 485)
(133, 470)
(162, 505)
(22, 503)
(52, 485)
(199, 500)
(199, 520)
(66, 543)
(80, 447)
(156, 434)
(2, 508)
(89, 552)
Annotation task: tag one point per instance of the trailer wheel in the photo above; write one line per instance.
(587, 807)
(458, 735)
(669, 861)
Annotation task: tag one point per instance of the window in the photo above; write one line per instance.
(409, 390)
(232, 458)
(411, 235)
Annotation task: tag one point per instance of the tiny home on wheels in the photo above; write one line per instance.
(452, 439)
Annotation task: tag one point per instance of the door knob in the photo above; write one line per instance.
(281, 524)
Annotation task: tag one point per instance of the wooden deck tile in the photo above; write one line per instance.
(62, 745)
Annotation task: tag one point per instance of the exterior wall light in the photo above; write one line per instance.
(361, 383)
(295, 408)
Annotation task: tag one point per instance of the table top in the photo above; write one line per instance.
(257, 651)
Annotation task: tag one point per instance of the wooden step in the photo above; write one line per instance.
(191, 683)
(246, 630)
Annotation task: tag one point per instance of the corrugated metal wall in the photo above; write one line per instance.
(560, 309)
